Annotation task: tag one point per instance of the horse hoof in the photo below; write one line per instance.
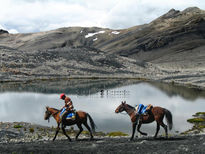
(91, 138)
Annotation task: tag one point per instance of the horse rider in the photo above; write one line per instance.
(67, 108)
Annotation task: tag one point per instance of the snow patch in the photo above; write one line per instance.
(95, 39)
(92, 34)
(13, 31)
(81, 31)
(116, 32)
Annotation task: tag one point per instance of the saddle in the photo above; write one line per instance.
(70, 115)
(149, 107)
(143, 110)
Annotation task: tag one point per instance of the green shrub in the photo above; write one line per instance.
(31, 130)
(18, 126)
(196, 120)
(113, 134)
(85, 132)
(200, 113)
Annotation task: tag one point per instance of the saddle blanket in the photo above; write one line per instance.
(141, 109)
(69, 116)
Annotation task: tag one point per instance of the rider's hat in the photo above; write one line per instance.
(62, 95)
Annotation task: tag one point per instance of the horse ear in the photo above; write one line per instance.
(46, 107)
(124, 102)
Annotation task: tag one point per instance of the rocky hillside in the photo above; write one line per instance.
(170, 48)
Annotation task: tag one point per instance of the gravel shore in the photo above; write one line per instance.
(20, 137)
(177, 144)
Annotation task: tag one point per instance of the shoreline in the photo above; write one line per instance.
(22, 137)
(190, 143)
(16, 132)
(187, 84)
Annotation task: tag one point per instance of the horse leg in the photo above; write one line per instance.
(165, 128)
(63, 129)
(158, 127)
(138, 129)
(133, 131)
(81, 129)
(57, 130)
(86, 125)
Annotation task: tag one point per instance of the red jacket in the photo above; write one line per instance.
(68, 104)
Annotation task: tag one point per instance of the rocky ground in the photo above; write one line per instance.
(20, 137)
(175, 144)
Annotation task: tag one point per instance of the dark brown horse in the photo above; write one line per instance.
(156, 114)
(81, 118)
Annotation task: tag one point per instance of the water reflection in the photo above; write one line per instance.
(72, 86)
(88, 87)
(30, 106)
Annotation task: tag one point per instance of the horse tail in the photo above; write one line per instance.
(168, 116)
(92, 123)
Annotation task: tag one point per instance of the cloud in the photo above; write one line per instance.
(12, 31)
(127, 14)
(42, 15)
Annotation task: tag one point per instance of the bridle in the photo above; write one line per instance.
(119, 111)
(125, 110)
(49, 114)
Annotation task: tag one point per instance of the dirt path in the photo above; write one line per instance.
(181, 144)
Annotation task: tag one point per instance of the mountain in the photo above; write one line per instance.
(171, 48)
(3, 31)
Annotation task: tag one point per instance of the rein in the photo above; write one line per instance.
(53, 114)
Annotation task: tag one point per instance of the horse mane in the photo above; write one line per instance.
(130, 106)
(53, 108)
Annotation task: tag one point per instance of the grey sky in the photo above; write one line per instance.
(42, 15)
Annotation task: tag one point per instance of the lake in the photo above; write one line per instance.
(27, 101)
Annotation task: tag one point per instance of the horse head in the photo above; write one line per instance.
(47, 114)
(121, 107)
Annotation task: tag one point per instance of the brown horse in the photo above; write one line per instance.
(156, 114)
(81, 118)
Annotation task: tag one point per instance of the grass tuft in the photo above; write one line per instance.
(31, 130)
(18, 126)
(113, 134)
(196, 120)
